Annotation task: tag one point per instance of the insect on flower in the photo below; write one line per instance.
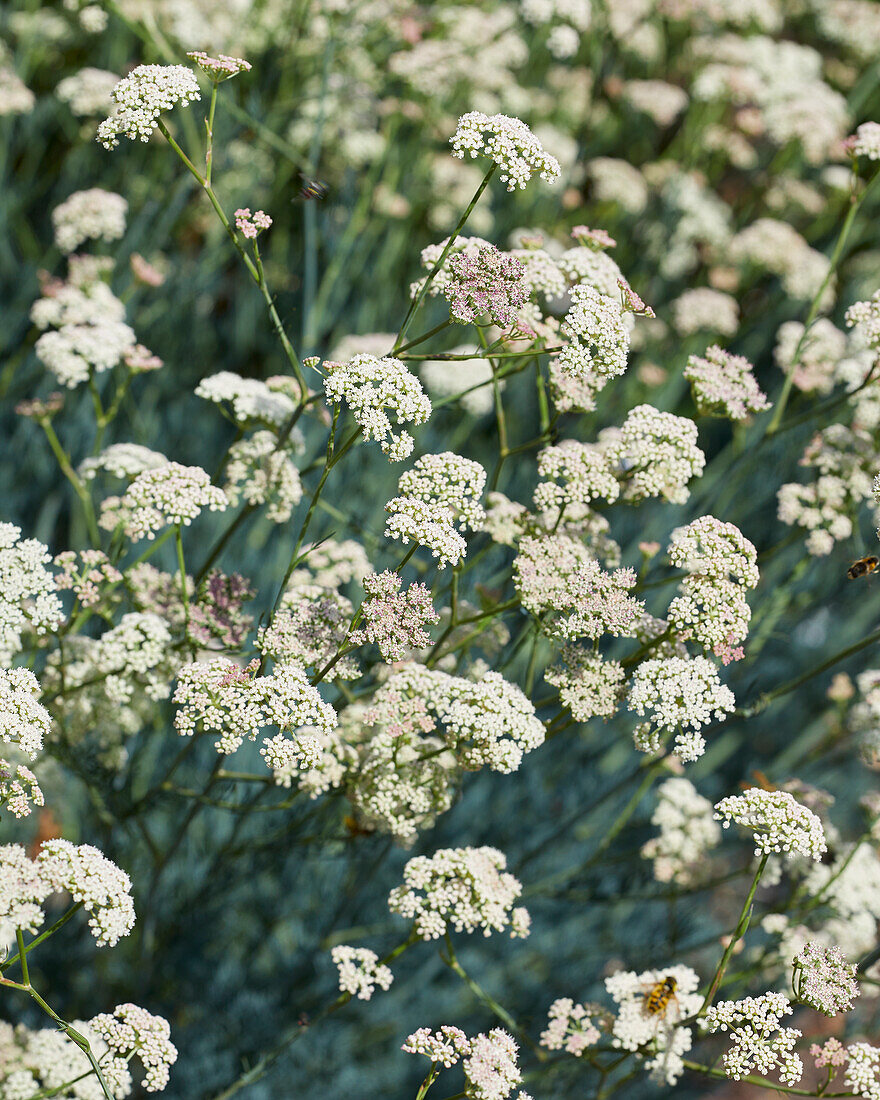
(862, 567)
(658, 997)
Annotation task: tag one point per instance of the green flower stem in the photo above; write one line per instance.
(417, 301)
(181, 565)
(209, 134)
(456, 357)
(75, 480)
(255, 270)
(503, 1015)
(425, 336)
(738, 933)
(762, 1082)
(855, 204)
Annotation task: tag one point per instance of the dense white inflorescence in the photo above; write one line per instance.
(757, 1041)
(688, 831)
(778, 822)
(464, 889)
(360, 971)
(370, 386)
(509, 143)
(142, 96)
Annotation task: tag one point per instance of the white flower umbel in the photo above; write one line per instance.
(428, 525)
(757, 1040)
(662, 1039)
(122, 460)
(596, 346)
(655, 454)
(168, 495)
(589, 685)
(865, 142)
(370, 386)
(680, 695)
(219, 696)
(688, 831)
(489, 1060)
(863, 1070)
(712, 548)
(90, 878)
(73, 352)
(724, 385)
(24, 721)
(93, 215)
(823, 979)
(461, 888)
(506, 141)
(778, 822)
(250, 399)
(142, 96)
(449, 481)
(259, 471)
(569, 1028)
(23, 889)
(491, 723)
(360, 971)
(28, 600)
(574, 473)
(132, 1032)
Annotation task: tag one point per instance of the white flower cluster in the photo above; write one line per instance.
(509, 143)
(597, 341)
(569, 1028)
(332, 564)
(142, 96)
(164, 496)
(92, 215)
(369, 386)
(20, 790)
(863, 1070)
(777, 820)
(866, 317)
(589, 685)
(680, 695)
(491, 723)
(724, 384)
(219, 696)
(757, 1040)
(121, 460)
(468, 380)
(28, 600)
(574, 473)
(655, 454)
(865, 142)
(131, 1031)
(450, 482)
(360, 971)
(811, 357)
(24, 721)
(438, 492)
(261, 472)
(489, 1060)
(558, 574)
(35, 1062)
(702, 309)
(395, 619)
(659, 1033)
(89, 332)
(460, 888)
(711, 607)
(823, 979)
(688, 830)
(103, 890)
(250, 398)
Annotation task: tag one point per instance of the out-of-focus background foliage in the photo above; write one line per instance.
(363, 96)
